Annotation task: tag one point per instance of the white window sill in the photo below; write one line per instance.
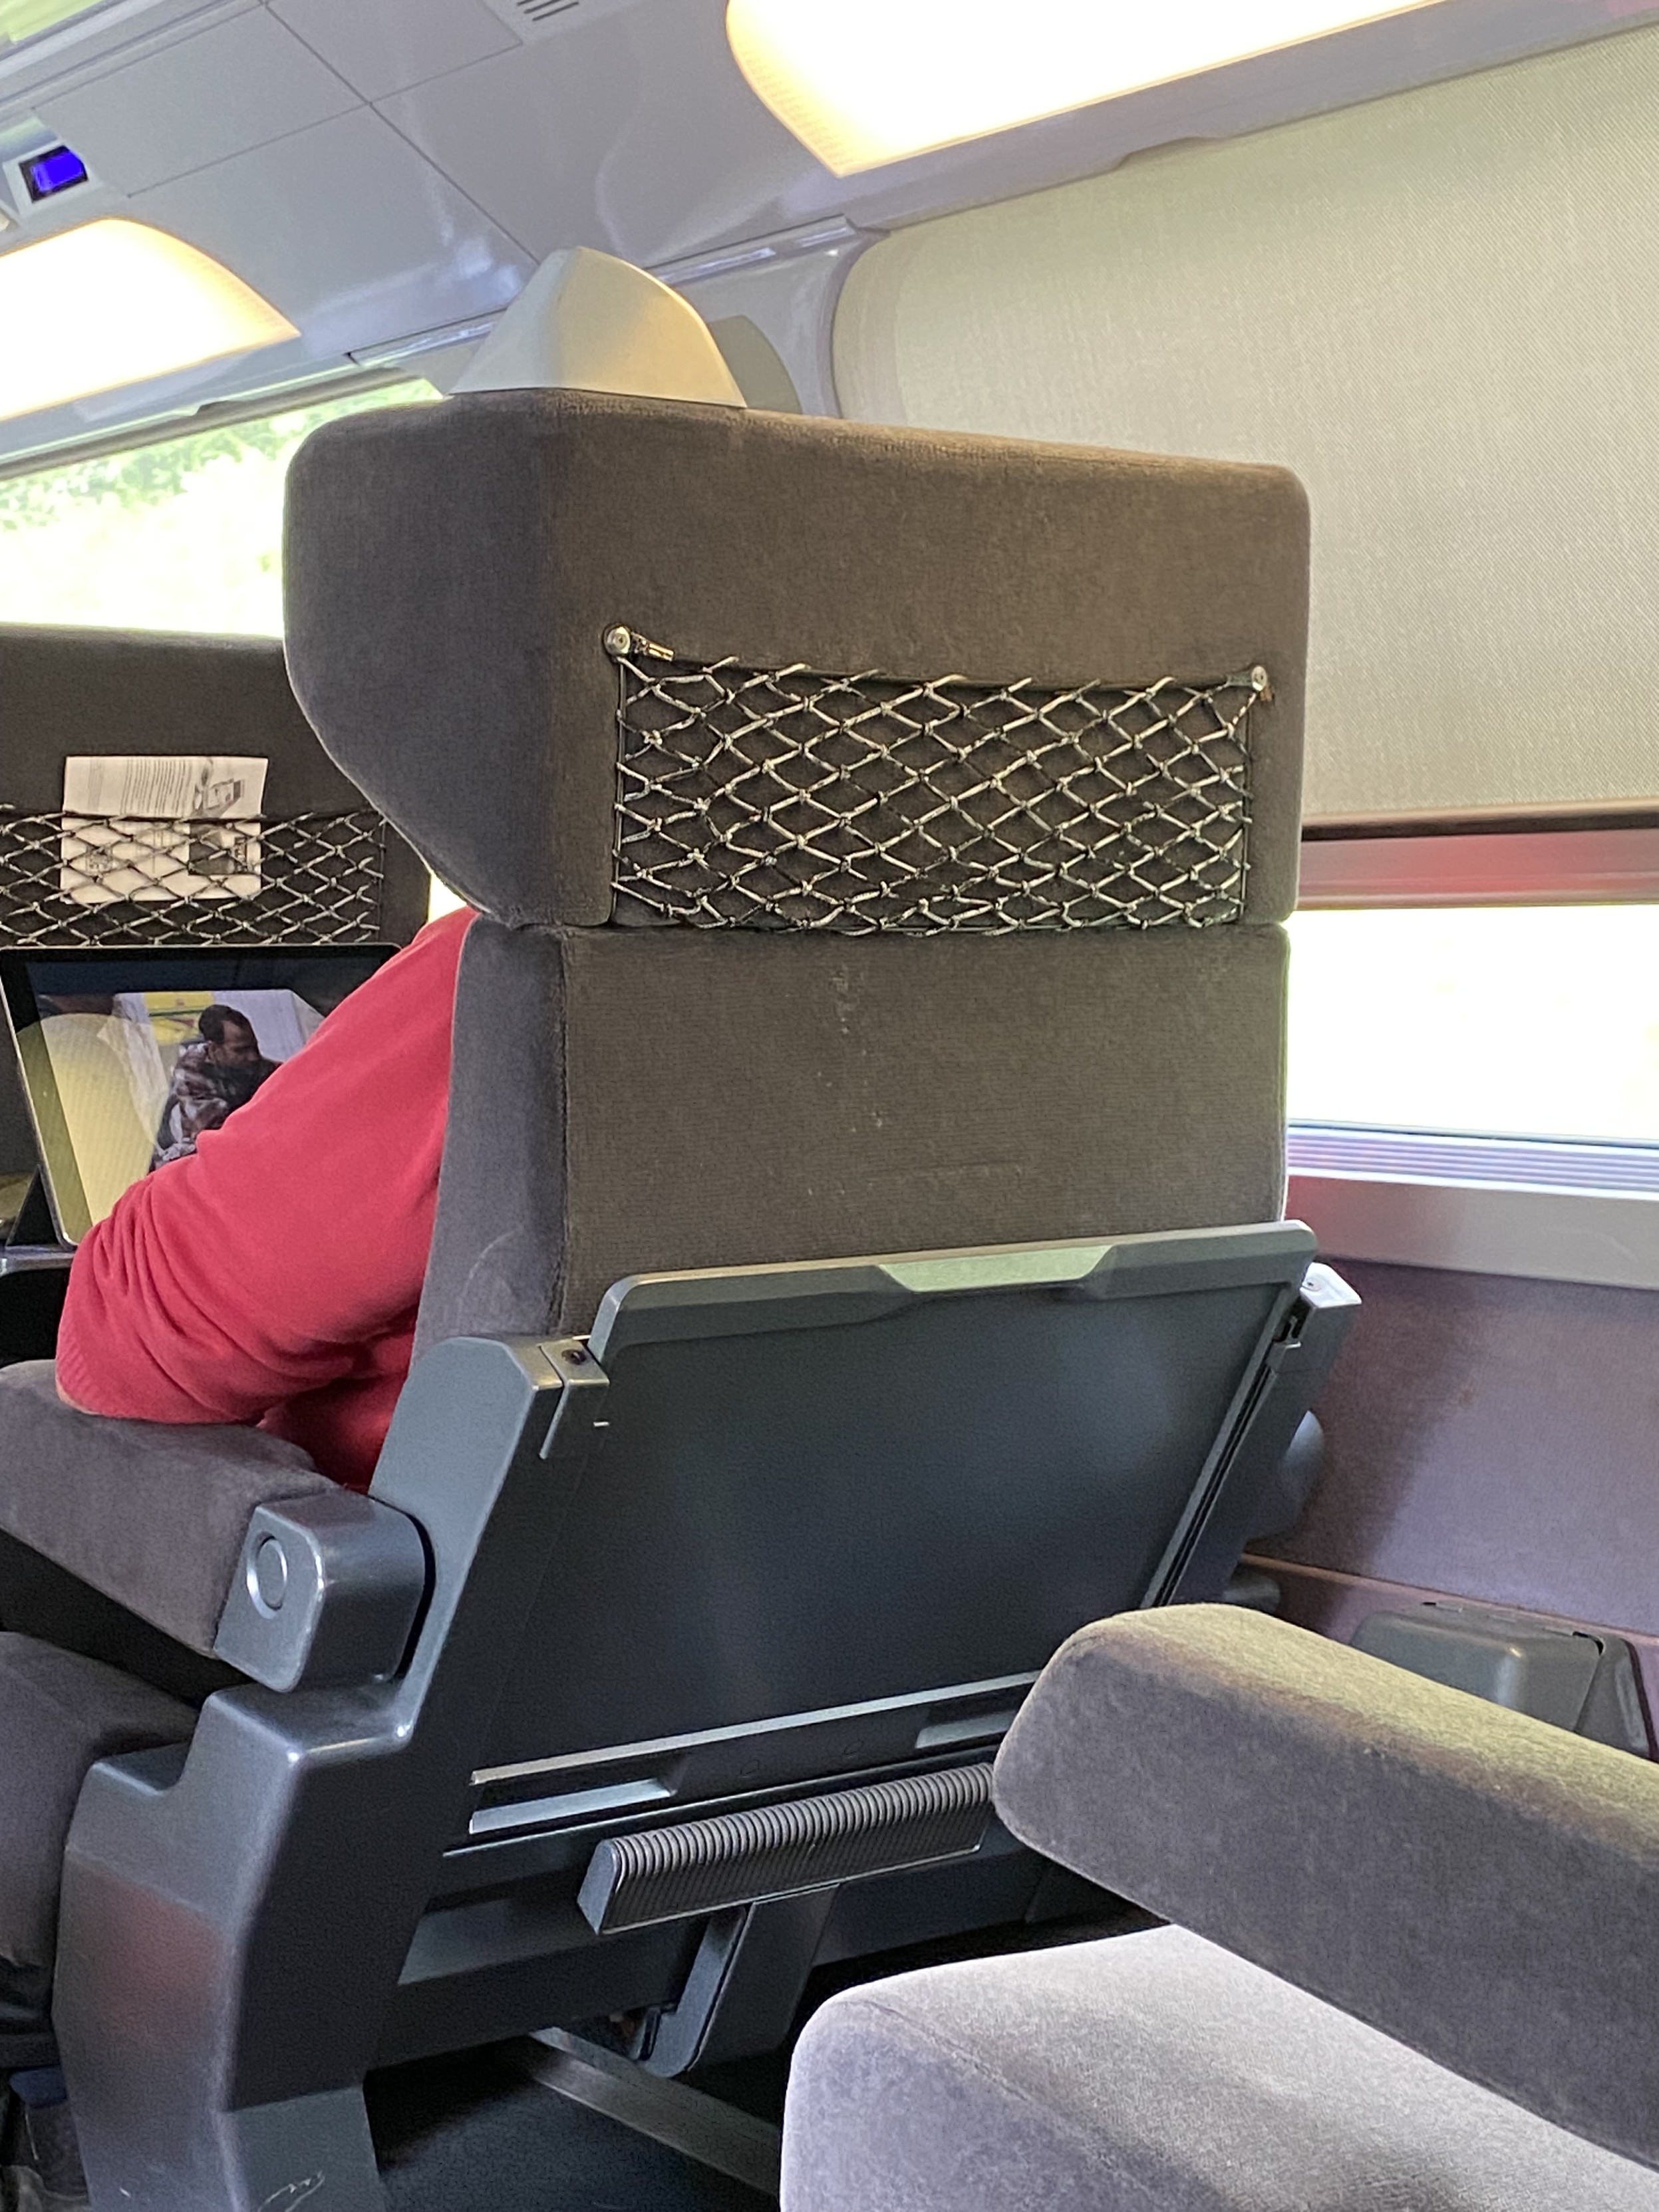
(1550, 1234)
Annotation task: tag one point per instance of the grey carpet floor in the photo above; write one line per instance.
(472, 2135)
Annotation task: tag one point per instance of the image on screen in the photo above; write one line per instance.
(141, 1076)
(131, 1059)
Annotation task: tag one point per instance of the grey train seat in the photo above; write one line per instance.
(333, 873)
(714, 1547)
(1412, 1961)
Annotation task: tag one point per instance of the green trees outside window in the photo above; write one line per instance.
(182, 535)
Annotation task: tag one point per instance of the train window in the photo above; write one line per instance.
(180, 534)
(1538, 1022)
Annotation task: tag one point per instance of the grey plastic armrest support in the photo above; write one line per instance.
(328, 1593)
(158, 1517)
(1474, 1883)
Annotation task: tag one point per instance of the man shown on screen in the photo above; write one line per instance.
(210, 1079)
(230, 1052)
(193, 1105)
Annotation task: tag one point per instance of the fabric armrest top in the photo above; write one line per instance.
(152, 1515)
(1480, 1886)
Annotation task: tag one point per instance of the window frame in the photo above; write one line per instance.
(195, 423)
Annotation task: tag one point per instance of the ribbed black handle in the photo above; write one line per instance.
(808, 1843)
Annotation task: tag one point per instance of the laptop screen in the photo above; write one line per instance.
(129, 1058)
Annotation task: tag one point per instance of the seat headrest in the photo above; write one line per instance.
(612, 659)
(72, 691)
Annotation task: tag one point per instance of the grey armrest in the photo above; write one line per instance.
(225, 1538)
(1474, 1883)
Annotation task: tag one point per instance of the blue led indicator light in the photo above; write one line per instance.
(54, 171)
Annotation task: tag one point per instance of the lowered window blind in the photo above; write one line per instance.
(1442, 310)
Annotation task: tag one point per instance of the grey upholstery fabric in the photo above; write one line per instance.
(58, 1713)
(1475, 1883)
(450, 573)
(38, 1598)
(637, 1099)
(150, 1513)
(626, 1100)
(65, 691)
(1152, 2073)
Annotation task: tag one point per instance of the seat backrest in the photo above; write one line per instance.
(881, 842)
(332, 871)
(783, 960)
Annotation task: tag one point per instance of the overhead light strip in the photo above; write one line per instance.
(115, 303)
(861, 82)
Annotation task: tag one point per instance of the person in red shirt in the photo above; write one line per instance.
(273, 1276)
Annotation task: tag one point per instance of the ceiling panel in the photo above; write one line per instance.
(1366, 63)
(382, 46)
(347, 231)
(240, 85)
(634, 132)
(528, 134)
(122, 31)
(622, 124)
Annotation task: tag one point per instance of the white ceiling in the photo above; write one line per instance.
(382, 169)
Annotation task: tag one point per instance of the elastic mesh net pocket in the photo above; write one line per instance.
(317, 879)
(787, 799)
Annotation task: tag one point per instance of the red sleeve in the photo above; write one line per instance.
(225, 1283)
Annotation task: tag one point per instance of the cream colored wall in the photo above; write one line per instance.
(1442, 310)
